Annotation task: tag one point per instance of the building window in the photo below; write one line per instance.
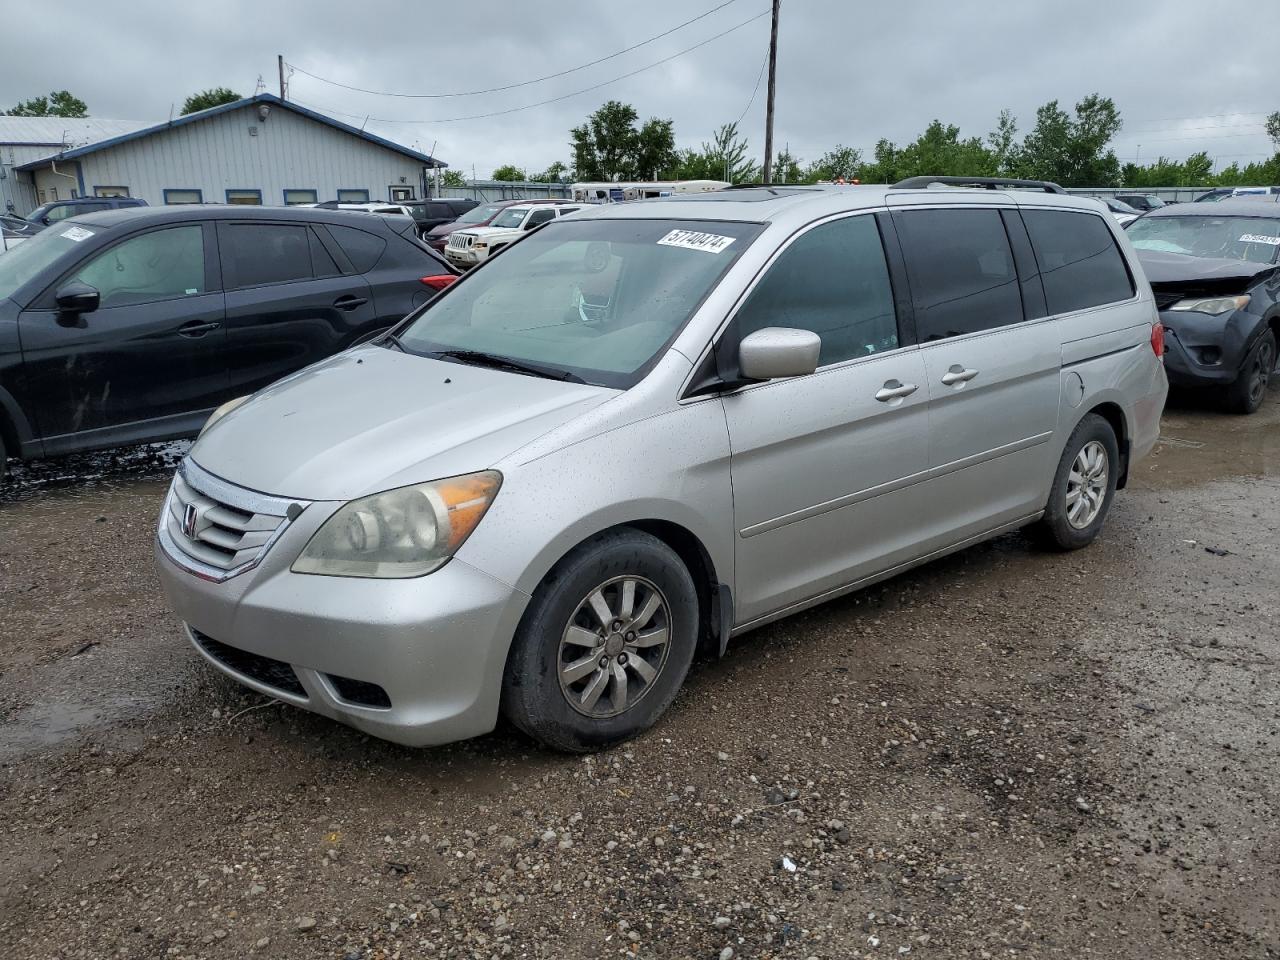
(53, 193)
(110, 191)
(251, 198)
(400, 194)
(183, 195)
(293, 197)
(353, 196)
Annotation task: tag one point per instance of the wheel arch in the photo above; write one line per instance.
(1114, 414)
(15, 430)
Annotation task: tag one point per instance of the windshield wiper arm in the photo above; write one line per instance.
(393, 339)
(482, 359)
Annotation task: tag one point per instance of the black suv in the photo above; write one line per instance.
(132, 325)
(57, 210)
(1215, 272)
(432, 213)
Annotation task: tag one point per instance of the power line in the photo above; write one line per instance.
(543, 103)
(523, 83)
(759, 76)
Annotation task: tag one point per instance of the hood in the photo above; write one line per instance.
(483, 232)
(372, 419)
(444, 229)
(1166, 269)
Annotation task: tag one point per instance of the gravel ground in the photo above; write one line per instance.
(1006, 753)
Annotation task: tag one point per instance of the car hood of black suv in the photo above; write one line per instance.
(1212, 274)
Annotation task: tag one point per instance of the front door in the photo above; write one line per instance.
(992, 373)
(824, 466)
(150, 361)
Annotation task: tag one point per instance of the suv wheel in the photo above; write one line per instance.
(4, 460)
(605, 644)
(1083, 486)
(1250, 389)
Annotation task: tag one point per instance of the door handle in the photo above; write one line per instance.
(958, 374)
(198, 329)
(895, 390)
(350, 303)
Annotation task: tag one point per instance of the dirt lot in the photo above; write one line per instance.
(1006, 753)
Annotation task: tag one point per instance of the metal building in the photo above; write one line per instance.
(24, 139)
(259, 150)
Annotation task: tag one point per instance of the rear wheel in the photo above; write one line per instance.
(1083, 486)
(1250, 389)
(605, 644)
(4, 459)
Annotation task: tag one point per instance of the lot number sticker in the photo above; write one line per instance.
(692, 240)
(1260, 238)
(80, 233)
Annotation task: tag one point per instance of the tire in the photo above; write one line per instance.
(4, 459)
(1066, 526)
(1250, 388)
(561, 629)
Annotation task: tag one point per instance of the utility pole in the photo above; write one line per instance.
(768, 110)
(280, 67)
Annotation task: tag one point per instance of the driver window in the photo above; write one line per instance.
(834, 281)
(537, 217)
(158, 265)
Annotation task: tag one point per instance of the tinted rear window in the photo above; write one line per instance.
(363, 249)
(1080, 264)
(961, 271)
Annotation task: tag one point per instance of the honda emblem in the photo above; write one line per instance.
(189, 517)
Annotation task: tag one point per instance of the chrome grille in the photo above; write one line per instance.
(216, 529)
(461, 241)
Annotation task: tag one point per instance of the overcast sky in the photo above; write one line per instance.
(849, 71)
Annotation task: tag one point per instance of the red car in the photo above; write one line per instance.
(480, 216)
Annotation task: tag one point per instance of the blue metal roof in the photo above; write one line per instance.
(267, 98)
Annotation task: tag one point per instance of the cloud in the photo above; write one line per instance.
(848, 72)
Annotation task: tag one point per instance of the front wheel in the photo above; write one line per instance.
(605, 644)
(1250, 388)
(1083, 486)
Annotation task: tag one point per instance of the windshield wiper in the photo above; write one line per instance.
(393, 339)
(481, 359)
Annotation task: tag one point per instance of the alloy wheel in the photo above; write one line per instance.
(1087, 485)
(614, 646)
(1264, 362)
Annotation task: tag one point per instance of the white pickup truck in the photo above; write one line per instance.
(466, 248)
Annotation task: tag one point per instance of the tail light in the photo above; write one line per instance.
(1157, 339)
(437, 281)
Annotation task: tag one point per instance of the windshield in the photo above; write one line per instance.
(480, 214)
(28, 259)
(598, 299)
(1255, 239)
(1119, 206)
(511, 217)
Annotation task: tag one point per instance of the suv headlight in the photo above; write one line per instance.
(406, 532)
(221, 412)
(1214, 306)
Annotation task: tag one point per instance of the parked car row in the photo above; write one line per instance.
(616, 444)
(132, 325)
(473, 245)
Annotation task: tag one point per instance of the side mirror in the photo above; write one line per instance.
(77, 297)
(45, 220)
(777, 352)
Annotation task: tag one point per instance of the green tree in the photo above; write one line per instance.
(452, 178)
(609, 145)
(59, 103)
(558, 172)
(884, 166)
(1072, 151)
(509, 172)
(724, 158)
(787, 169)
(1002, 141)
(1273, 129)
(213, 97)
(939, 151)
(841, 161)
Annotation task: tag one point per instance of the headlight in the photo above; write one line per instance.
(480, 246)
(1214, 306)
(407, 532)
(221, 412)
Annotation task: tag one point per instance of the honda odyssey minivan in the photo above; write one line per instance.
(654, 426)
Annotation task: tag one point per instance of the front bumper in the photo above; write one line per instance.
(1202, 350)
(464, 258)
(436, 645)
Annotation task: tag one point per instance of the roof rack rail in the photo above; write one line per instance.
(986, 183)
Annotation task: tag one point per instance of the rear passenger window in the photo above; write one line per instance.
(1080, 264)
(258, 253)
(961, 271)
(832, 280)
(362, 249)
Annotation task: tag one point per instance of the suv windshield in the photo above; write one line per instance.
(29, 258)
(1255, 239)
(511, 217)
(598, 299)
(480, 214)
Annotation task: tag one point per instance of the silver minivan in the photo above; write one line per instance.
(651, 427)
